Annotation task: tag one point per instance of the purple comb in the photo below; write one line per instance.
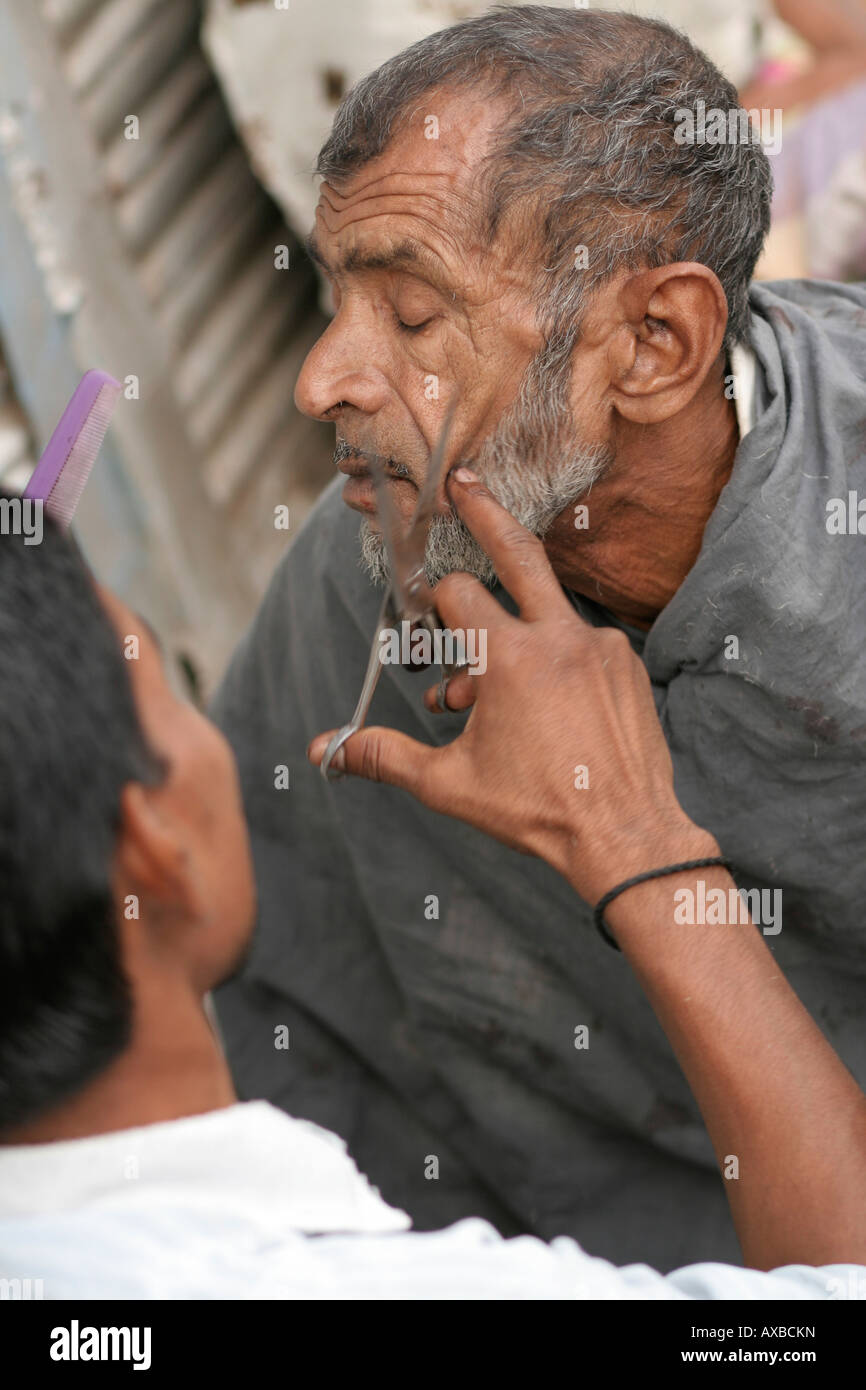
(60, 475)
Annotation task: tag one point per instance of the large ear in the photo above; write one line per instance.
(671, 327)
(152, 860)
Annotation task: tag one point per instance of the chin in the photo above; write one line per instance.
(236, 932)
(234, 959)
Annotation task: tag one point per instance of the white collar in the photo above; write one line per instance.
(246, 1156)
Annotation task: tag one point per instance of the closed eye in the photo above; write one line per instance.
(410, 327)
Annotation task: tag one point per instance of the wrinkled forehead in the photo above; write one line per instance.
(430, 170)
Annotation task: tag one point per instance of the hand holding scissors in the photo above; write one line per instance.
(409, 597)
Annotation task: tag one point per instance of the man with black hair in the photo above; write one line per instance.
(87, 808)
(128, 1168)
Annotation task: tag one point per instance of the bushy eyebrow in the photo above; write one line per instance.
(408, 254)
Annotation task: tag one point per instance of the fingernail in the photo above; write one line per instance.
(464, 475)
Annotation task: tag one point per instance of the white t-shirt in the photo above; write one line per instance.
(248, 1203)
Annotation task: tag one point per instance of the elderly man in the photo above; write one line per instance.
(526, 213)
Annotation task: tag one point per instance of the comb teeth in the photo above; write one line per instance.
(62, 472)
(64, 496)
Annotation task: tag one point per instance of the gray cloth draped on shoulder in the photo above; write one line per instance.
(432, 982)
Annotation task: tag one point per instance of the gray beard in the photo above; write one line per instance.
(532, 464)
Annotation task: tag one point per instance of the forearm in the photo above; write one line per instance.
(771, 1090)
(773, 1093)
(828, 26)
(836, 32)
(832, 72)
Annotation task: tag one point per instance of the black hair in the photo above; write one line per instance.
(69, 740)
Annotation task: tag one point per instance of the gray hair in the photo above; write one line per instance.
(588, 149)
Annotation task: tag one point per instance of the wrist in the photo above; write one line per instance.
(634, 849)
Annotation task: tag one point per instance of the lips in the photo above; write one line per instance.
(359, 491)
(354, 468)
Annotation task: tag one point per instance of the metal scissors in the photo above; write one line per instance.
(409, 596)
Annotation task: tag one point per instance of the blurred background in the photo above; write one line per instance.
(155, 184)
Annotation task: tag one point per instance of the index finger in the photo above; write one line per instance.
(518, 557)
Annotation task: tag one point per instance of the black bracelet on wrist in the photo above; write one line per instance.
(598, 914)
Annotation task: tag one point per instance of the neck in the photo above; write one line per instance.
(172, 1067)
(646, 517)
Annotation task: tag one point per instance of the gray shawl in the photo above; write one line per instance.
(444, 1030)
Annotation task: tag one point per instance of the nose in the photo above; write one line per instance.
(338, 370)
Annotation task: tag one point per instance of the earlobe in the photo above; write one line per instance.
(672, 330)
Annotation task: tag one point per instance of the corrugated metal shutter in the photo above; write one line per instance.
(200, 235)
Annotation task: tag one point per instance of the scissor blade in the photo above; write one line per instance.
(407, 549)
(392, 531)
(426, 507)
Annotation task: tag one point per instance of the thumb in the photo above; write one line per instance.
(379, 755)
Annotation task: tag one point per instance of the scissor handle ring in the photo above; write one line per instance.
(333, 774)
